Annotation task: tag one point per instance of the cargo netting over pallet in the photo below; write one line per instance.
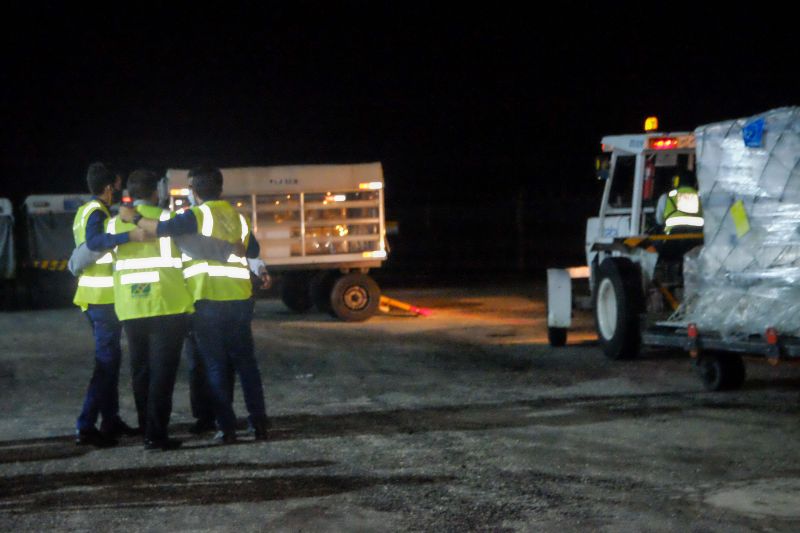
(746, 277)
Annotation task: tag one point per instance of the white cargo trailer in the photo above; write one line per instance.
(321, 229)
(7, 255)
(47, 246)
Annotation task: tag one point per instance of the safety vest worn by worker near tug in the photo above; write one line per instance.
(96, 283)
(682, 208)
(215, 280)
(148, 276)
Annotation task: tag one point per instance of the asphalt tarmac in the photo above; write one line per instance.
(465, 420)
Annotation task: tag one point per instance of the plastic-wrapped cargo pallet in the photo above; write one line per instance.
(746, 277)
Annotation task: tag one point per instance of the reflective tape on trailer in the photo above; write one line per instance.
(48, 264)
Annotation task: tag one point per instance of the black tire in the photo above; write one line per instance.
(51, 290)
(6, 294)
(557, 336)
(321, 287)
(617, 323)
(720, 372)
(355, 297)
(295, 291)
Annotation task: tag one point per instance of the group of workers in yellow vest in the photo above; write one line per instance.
(143, 283)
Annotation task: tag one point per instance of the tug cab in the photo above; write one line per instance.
(634, 264)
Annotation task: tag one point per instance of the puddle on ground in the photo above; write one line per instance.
(779, 498)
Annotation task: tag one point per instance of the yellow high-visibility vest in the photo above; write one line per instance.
(215, 280)
(682, 209)
(95, 284)
(148, 276)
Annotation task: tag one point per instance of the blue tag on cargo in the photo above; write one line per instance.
(753, 133)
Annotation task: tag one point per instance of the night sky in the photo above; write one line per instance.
(471, 110)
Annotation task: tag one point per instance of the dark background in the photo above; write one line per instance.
(486, 119)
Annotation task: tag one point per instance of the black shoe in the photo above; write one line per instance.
(202, 426)
(120, 428)
(260, 429)
(225, 437)
(93, 437)
(162, 444)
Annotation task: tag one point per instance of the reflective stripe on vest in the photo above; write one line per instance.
(165, 247)
(236, 259)
(149, 262)
(96, 283)
(148, 277)
(139, 277)
(683, 220)
(208, 221)
(245, 230)
(217, 271)
(94, 204)
(80, 223)
(225, 280)
(165, 243)
(683, 208)
(207, 230)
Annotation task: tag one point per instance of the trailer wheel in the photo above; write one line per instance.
(295, 292)
(321, 287)
(354, 297)
(721, 371)
(557, 336)
(617, 303)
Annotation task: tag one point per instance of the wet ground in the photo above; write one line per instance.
(465, 420)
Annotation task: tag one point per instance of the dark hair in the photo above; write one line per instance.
(206, 182)
(142, 183)
(98, 177)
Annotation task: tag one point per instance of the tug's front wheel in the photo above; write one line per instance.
(618, 303)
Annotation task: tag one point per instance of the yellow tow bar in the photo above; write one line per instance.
(387, 304)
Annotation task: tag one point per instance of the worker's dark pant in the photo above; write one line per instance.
(225, 342)
(155, 346)
(102, 395)
(199, 390)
